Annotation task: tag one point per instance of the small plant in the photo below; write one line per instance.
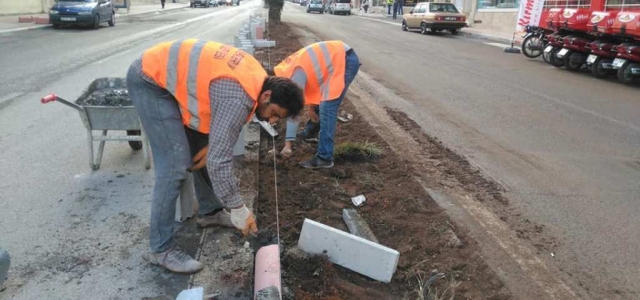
(357, 151)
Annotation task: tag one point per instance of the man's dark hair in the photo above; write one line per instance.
(284, 93)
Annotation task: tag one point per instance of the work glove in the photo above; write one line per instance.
(244, 220)
(200, 159)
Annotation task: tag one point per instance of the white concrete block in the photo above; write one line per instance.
(352, 252)
(238, 148)
(186, 204)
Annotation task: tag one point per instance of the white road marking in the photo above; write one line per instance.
(499, 45)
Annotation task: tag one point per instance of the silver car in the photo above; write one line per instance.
(340, 7)
(315, 5)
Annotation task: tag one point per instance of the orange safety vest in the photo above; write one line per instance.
(186, 69)
(324, 64)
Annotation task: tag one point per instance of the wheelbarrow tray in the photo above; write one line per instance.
(109, 117)
(112, 118)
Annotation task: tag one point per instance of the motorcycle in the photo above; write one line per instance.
(627, 63)
(574, 51)
(600, 60)
(535, 40)
(554, 45)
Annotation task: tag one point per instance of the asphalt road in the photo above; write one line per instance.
(565, 146)
(72, 232)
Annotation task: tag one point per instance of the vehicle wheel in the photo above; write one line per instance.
(404, 26)
(349, 13)
(423, 28)
(56, 26)
(530, 41)
(454, 31)
(112, 21)
(553, 59)
(96, 22)
(597, 69)
(573, 61)
(135, 145)
(308, 11)
(624, 73)
(321, 12)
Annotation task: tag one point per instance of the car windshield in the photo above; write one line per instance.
(443, 7)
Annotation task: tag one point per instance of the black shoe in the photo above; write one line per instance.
(312, 135)
(317, 163)
(312, 139)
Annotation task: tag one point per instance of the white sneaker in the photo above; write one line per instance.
(174, 260)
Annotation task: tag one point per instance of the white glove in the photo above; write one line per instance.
(244, 220)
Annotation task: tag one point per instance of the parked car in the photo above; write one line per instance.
(304, 2)
(201, 3)
(82, 12)
(315, 5)
(214, 3)
(232, 2)
(340, 7)
(430, 17)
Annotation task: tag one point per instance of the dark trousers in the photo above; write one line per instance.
(395, 10)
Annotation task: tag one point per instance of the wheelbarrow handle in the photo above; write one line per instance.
(52, 97)
(48, 98)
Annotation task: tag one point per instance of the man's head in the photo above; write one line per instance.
(279, 99)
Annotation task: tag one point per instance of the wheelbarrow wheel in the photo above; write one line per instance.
(135, 145)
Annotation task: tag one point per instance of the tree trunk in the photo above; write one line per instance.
(275, 13)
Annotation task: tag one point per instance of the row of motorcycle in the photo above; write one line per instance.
(605, 43)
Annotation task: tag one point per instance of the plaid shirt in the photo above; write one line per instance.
(230, 108)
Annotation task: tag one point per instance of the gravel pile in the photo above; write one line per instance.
(107, 97)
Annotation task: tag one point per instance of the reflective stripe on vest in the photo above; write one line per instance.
(186, 69)
(324, 65)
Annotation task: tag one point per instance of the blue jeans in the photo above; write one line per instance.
(329, 110)
(172, 157)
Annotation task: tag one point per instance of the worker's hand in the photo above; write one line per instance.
(200, 159)
(244, 220)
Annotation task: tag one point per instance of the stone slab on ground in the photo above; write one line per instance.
(226, 255)
(352, 252)
(357, 225)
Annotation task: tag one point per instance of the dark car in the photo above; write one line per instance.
(201, 3)
(82, 12)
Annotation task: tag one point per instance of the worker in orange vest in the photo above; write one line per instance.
(324, 71)
(213, 90)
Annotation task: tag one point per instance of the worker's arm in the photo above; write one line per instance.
(230, 108)
(299, 77)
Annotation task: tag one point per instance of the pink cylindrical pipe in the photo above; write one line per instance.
(267, 284)
(259, 33)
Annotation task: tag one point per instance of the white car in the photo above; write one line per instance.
(315, 5)
(340, 7)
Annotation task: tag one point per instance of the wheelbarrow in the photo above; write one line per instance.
(106, 118)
